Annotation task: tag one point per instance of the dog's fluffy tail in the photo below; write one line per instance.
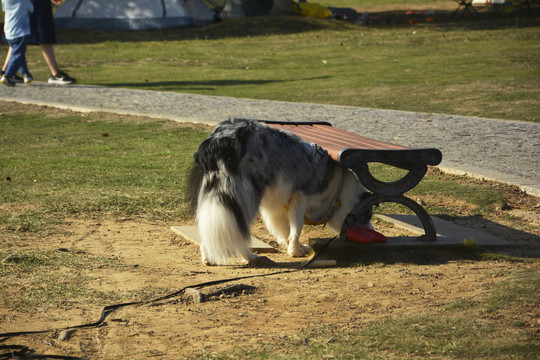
(225, 208)
(226, 199)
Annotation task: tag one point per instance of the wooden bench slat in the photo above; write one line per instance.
(333, 140)
(349, 140)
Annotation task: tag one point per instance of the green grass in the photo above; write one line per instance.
(483, 67)
(71, 165)
(57, 165)
(522, 288)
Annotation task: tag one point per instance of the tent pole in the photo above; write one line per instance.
(190, 12)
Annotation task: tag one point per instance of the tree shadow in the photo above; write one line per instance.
(487, 18)
(201, 85)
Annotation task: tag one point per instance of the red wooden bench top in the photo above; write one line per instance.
(333, 139)
(349, 148)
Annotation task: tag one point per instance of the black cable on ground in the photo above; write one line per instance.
(21, 352)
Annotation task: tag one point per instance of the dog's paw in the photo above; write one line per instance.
(298, 251)
(204, 260)
(307, 248)
(282, 243)
(207, 262)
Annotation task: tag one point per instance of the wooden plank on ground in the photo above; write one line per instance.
(192, 234)
(448, 233)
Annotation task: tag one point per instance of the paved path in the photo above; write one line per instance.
(506, 151)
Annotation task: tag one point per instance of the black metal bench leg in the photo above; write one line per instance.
(414, 175)
(359, 211)
(472, 10)
(467, 6)
(457, 10)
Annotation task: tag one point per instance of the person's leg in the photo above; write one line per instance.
(57, 76)
(8, 57)
(18, 56)
(23, 68)
(50, 58)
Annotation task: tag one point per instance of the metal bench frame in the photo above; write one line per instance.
(356, 152)
(465, 6)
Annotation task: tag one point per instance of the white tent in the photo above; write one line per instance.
(131, 14)
(231, 9)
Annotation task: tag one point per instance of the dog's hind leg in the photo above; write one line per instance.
(274, 210)
(277, 224)
(296, 215)
(249, 257)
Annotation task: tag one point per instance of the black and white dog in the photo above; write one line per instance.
(245, 168)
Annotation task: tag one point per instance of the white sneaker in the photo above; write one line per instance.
(61, 79)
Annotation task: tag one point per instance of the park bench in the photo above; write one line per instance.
(356, 152)
(466, 7)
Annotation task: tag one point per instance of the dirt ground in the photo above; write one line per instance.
(156, 262)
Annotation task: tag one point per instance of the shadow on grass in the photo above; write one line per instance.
(176, 85)
(351, 255)
(231, 28)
